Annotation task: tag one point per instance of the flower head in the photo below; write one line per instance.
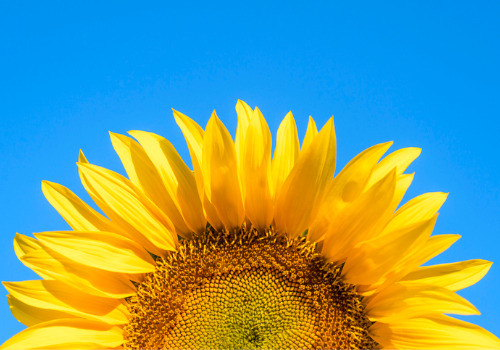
(248, 250)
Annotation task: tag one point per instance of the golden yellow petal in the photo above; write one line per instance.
(399, 159)
(24, 245)
(102, 250)
(125, 228)
(346, 187)
(66, 334)
(256, 172)
(245, 114)
(306, 182)
(371, 260)
(150, 226)
(437, 332)
(178, 179)
(89, 279)
(311, 133)
(220, 174)
(417, 209)
(76, 212)
(211, 214)
(402, 301)
(361, 220)
(454, 276)
(58, 296)
(403, 181)
(286, 153)
(144, 175)
(30, 315)
(194, 134)
(433, 246)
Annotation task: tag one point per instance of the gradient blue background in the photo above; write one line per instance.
(421, 73)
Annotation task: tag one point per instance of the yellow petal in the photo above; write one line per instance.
(30, 315)
(360, 221)
(434, 246)
(352, 180)
(24, 245)
(89, 279)
(311, 133)
(369, 261)
(152, 228)
(403, 181)
(194, 136)
(124, 227)
(244, 113)
(143, 174)
(102, 250)
(285, 153)
(211, 214)
(399, 159)
(454, 276)
(66, 334)
(178, 179)
(400, 301)
(256, 171)
(79, 215)
(50, 296)
(306, 182)
(417, 209)
(437, 332)
(346, 187)
(220, 174)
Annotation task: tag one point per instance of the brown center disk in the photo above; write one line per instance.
(246, 290)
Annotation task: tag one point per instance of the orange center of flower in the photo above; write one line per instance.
(246, 290)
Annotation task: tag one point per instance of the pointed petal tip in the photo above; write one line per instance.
(81, 157)
(241, 102)
(45, 184)
(177, 115)
(115, 137)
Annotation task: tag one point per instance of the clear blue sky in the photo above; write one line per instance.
(421, 73)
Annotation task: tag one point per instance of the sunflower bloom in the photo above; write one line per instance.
(249, 250)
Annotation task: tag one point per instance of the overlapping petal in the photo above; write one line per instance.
(67, 334)
(220, 173)
(56, 296)
(436, 332)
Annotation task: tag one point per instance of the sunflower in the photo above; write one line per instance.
(245, 251)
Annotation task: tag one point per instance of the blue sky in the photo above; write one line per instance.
(421, 73)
